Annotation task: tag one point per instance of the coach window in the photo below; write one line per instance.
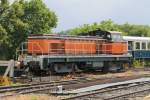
(137, 45)
(130, 46)
(143, 45)
(148, 45)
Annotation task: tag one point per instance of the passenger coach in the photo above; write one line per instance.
(139, 48)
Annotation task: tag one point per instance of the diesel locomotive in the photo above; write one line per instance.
(96, 50)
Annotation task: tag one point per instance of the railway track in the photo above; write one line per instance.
(115, 93)
(42, 86)
(75, 83)
(52, 86)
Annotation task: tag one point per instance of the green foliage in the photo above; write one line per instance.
(109, 25)
(138, 64)
(19, 19)
(135, 30)
(39, 17)
(147, 63)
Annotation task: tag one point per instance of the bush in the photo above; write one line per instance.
(138, 64)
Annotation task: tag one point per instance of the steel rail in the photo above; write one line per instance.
(145, 91)
(25, 89)
(26, 86)
(101, 91)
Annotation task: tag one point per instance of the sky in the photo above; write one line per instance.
(73, 13)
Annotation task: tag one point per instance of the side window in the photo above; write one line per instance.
(143, 45)
(137, 45)
(130, 46)
(148, 45)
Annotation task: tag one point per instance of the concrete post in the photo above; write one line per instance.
(11, 73)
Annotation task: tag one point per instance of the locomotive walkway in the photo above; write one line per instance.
(90, 57)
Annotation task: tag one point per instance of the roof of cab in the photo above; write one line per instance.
(115, 32)
(136, 38)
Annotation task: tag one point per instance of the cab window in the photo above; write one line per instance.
(116, 37)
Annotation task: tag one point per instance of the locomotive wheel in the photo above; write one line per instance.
(105, 69)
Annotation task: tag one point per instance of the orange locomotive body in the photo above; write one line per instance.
(45, 46)
(74, 46)
(114, 48)
(80, 47)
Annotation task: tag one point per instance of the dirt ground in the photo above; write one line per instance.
(147, 97)
(32, 97)
(122, 74)
(131, 72)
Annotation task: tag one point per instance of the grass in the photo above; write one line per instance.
(138, 64)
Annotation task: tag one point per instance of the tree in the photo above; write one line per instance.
(21, 18)
(39, 17)
(13, 28)
(135, 30)
(109, 25)
(3, 7)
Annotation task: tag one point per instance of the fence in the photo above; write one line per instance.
(10, 67)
